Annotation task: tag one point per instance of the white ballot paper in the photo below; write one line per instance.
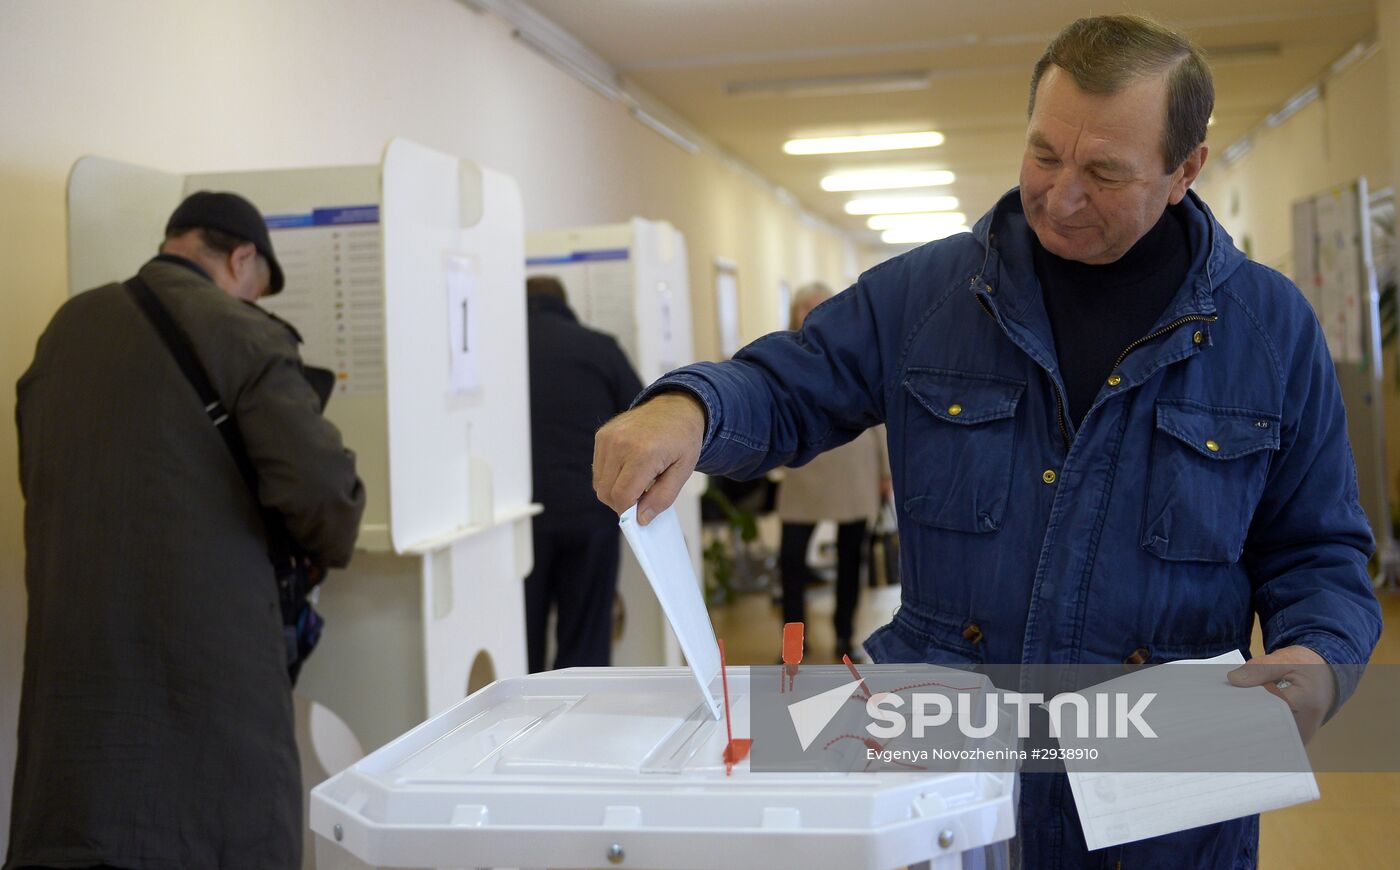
(1230, 752)
(660, 548)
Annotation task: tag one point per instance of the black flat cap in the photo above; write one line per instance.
(232, 214)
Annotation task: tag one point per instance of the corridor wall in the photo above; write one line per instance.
(264, 84)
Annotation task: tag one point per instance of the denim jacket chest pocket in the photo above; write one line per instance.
(960, 432)
(1207, 471)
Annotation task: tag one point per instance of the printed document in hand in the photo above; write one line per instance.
(1227, 752)
(660, 548)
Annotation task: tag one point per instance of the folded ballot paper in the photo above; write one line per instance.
(1220, 752)
(660, 548)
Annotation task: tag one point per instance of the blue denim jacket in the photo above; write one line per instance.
(1211, 480)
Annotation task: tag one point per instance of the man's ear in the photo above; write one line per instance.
(241, 259)
(1185, 174)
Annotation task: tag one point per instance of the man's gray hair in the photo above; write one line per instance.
(1107, 53)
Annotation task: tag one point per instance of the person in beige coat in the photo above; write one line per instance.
(844, 485)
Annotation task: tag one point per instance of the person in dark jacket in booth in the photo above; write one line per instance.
(579, 379)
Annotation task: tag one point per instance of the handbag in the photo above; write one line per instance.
(295, 575)
(884, 547)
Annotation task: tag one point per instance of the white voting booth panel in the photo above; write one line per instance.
(623, 766)
(631, 281)
(406, 279)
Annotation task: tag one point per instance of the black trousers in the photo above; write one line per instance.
(792, 563)
(576, 561)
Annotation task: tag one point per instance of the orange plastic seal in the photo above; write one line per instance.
(792, 643)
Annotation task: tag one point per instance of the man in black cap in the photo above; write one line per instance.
(226, 236)
(156, 724)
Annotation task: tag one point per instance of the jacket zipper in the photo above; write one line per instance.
(1153, 336)
(1059, 398)
(1060, 412)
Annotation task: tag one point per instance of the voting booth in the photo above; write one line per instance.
(406, 279)
(630, 280)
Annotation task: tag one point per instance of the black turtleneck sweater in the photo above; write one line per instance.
(1097, 311)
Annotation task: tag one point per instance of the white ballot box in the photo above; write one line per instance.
(624, 767)
(596, 767)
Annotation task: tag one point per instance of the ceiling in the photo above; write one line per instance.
(976, 54)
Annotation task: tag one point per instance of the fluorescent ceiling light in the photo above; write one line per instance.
(671, 134)
(1355, 53)
(919, 236)
(901, 204)
(574, 59)
(829, 86)
(887, 179)
(852, 144)
(1293, 106)
(921, 219)
(1237, 150)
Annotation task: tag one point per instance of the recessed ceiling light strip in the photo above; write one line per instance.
(901, 204)
(926, 219)
(868, 142)
(918, 236)
(887, 179)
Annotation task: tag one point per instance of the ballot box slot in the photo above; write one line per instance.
(603, 732)
(461, 751)
(697, 744)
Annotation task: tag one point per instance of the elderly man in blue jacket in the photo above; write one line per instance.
(1114, 438)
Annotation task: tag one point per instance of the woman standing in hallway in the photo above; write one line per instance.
(844, 485)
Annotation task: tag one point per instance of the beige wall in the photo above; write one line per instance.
(1344, 134)
(1335, 139)
(191, 86)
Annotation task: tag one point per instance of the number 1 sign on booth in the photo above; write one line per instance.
(461, 309)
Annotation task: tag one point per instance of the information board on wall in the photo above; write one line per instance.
(599, 287)
(727, 308)
(1333, 267)
(332, 257)
(1328, 259)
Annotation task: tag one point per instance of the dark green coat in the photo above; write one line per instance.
(156, 720)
